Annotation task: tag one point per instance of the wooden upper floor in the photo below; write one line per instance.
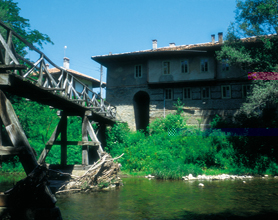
(172, 64)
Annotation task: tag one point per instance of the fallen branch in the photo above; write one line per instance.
(102, 174)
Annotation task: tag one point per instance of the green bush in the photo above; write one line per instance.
(255, 153)
(161, 125)
(170, 156)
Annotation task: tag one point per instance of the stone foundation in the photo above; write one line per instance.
(196, 108)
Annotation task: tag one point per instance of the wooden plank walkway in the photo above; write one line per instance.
(18, 85)
(32, 80)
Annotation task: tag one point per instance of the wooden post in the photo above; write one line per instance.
(85, 155)
(64, 122)
(16, 134)
(9, 41)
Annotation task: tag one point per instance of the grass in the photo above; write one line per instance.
(13, 177)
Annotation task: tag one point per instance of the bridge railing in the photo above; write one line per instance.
(37, 72)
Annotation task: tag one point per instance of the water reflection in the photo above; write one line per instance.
(154, 199)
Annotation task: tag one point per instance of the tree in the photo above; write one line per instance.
(9, 14)
(256, 21)
(28, 113)
(257, 18)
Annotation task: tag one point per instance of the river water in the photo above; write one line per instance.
(141, 198)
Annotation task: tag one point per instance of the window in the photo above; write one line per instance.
(205, 93)
(226, 92)
(138, 71)
(184, 66)
(166, 67)
(204, 65)
(186, 93)
(168, 94)
(246, 89)
(225, 65)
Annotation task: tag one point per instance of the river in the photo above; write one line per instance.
(141, 198)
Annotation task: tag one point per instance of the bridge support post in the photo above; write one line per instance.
(85, 148)
(31, 195)
(64, 123)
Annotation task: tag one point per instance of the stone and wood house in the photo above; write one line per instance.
(144, 85)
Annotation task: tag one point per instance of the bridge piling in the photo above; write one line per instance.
(85, 148)
(31, 193)
(64, 124)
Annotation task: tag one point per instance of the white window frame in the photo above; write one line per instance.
(224, 91)
(202, 89)
(166, 70)
(187, 66)
(168, 92)
(245, 85)
(225, 65)
(138, 74)
(204, 67)
(187, 91)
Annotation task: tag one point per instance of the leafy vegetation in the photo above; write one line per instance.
(9, 13)
(189, 151)
(253, 18)
(38, 122)
(166, 156)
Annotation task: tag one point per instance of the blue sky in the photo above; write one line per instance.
(97, 27)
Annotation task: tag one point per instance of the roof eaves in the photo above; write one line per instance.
(77, 74)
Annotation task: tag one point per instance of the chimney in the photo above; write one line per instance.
(154, 44)
(172, 44)
(220, 37)
(47, 66)
(66, 63)
(213, 38)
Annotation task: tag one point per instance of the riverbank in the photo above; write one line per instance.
(8, 178)
(211, 174)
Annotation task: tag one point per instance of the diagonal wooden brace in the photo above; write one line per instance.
(16, 134)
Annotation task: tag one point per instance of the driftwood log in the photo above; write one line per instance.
(103, 174)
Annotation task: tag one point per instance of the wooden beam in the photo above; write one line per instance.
(93, 136)
(9, 41)
(53, 89)
(85, 148)
(9, 150)
(64, 124)
(16, 134)
(50, 142)
(79, 143)
(12, 67)
(8, 51)
(44, 153)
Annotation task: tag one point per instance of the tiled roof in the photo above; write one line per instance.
(75, 73)
(198, 46)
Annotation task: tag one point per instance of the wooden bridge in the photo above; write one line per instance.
(32, 80)
(24, 78)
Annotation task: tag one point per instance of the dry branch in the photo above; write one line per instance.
(102, 174)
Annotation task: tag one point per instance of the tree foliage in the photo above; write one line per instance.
(9, 14)
(257, 17)
(254, 18)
